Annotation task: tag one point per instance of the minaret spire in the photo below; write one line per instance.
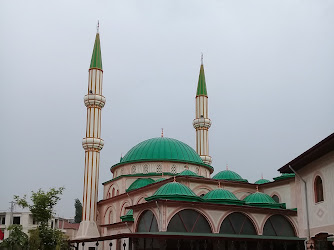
(92, 143)
(202, 122)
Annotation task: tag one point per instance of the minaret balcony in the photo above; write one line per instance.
(93, 100)
(202, 123)
(91, 143)
(206, 159)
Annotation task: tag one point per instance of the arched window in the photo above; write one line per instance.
(237, 223)
(147, 222)
(111, 217)
(113, 192)
(318, 189)
(275, 198)
(278, 225)
(189, 221)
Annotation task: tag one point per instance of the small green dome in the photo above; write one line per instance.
(261, 181)
(162, 149)
(142, 182)
(221, 196)
(260, 199)
(128, 216)
(187, 172)
(284, 176)
(228, 175)
(160, 179)
(174, 191)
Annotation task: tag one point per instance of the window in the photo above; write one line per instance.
(159, 169)
(275, 198)
(17, 220)
(237, 223)
(278, 225)
(318, 189)
(173, 169)
(145, 169)
(189, 221)
(147, 222)
(197, 170)
(2, 220)
(111, 217)
(133, 169)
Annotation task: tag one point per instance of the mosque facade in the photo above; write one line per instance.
(163, 194)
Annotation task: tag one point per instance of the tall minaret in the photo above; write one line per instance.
(202, 123)
(92, 143)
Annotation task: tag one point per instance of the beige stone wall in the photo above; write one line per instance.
(321, 214)
(285, 190)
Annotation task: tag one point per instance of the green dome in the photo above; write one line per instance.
(262, 200)
(162, 149)
(221, 196)
(228, 175)
(160, 179)
(128, 216)
(174, 191)
(187, 172)
(140, 183)
(261, 181)
(284, 176)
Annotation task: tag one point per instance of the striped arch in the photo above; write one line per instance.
(109, 215)
(141, 200)
(242, 193)
(109, 191)
(202, 189)
(122, 208)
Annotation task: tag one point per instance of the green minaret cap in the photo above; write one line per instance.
(96, 61)
(201, 87)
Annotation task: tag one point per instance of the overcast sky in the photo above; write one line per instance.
(268, 66)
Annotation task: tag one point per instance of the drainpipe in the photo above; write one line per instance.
(126, 224)
(306, 201)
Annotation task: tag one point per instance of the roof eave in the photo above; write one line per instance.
(318, 150)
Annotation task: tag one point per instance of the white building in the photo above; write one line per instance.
(21, 218)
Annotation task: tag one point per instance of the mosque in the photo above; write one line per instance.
(163, 194)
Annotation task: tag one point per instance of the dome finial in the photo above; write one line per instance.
(201, 58)
(257, 188)
(174, 179)
(162, 132)
(219, 184)
(98, 26)
(226, 166)
(262, 176)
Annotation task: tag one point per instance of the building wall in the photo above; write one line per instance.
(284, 189)
(158, 167)
(321, 214)
(26, 221)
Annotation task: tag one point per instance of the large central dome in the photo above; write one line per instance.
(162, 149)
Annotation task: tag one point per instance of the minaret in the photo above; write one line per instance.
(92, 143)
(202, 123)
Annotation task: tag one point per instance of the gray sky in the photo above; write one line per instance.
(269, 73)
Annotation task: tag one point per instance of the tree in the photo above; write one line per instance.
(78, 211)
(42, 205)
(17, 238)
(42, 209)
